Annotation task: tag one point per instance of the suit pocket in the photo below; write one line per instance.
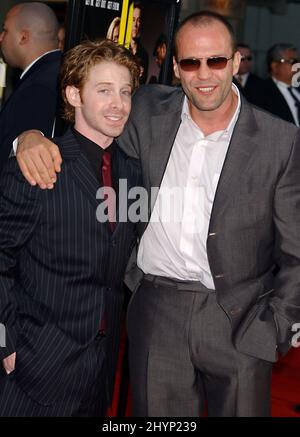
(47, 362)
(257, 334)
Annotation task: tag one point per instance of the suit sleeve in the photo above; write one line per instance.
(37, 109)
(19, 216)
(34, 108)
(285, 303)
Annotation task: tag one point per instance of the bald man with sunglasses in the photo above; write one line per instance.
(207, 317)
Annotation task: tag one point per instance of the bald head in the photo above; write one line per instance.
(39, 19)
(204, 19)
(30, 30)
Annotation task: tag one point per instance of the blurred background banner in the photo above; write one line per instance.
(146, 27)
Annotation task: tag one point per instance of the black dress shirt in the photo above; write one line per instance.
(94, 154)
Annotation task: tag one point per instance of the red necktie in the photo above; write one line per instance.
(107, 182)
(110, 202)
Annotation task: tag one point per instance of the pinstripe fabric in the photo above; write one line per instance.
(60, 270)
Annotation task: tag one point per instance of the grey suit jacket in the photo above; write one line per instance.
(255, 220)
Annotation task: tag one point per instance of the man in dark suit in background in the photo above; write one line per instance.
(208, 317)
(249, 83)
(29, 41)
(61, 266)
(279, 96)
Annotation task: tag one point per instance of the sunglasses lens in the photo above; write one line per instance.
(189, 64)
(192, 64)
(217, 63)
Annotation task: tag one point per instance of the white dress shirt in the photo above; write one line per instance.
(283, 88)
(174, 242)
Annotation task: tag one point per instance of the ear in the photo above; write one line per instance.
(274, 67)
(236, 62)
(176, 68)
(73, 96)
(24, 37)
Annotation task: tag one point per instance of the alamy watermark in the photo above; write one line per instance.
(296, 77)
(296, 338)
(168, 205)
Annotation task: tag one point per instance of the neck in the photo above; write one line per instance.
(218, 119)
(31, 57)
(103, 141)
(282, 80)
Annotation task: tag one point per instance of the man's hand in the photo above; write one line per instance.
(39, 159)
(9, 363)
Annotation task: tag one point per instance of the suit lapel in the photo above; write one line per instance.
(80, 168)
(163, 139)
(237, 160)
(278, 101)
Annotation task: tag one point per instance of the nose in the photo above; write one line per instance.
(203, 72)
(117, 101)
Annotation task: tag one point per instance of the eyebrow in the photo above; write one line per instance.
(111, 83)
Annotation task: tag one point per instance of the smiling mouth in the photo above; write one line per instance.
(206, 90)
(114, 118)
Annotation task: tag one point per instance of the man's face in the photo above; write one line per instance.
(136, 23)
(105, 103)
(283, 70)
(206, 89)
(246, 60)
(9, 38)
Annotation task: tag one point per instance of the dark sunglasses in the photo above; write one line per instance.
(291, 61)
(246, 58)
(193, 64)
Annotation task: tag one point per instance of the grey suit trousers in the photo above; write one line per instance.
(182, 359)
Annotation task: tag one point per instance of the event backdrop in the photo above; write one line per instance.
(153, 22)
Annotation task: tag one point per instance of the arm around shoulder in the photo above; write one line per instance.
(39, 159)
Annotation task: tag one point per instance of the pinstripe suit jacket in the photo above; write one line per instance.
(255, 219)
(57, 265)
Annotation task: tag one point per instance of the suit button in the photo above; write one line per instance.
(235, 311)
(220, 275)
(212, 234)
(113, 243)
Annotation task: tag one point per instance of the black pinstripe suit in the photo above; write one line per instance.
(60, 273)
